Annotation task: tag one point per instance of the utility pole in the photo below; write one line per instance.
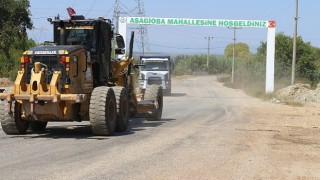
(294, 55)
(234, 50)
(138, 11)
(209, 38)
(116, 15)
(143, 31)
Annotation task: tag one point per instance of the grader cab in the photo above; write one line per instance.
(77, 77)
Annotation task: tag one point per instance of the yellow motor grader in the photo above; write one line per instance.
(80, 76)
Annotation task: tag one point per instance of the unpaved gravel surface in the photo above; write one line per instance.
(207, 131)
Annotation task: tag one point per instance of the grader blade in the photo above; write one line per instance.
(146, 109)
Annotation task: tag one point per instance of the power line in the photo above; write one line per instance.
(74, 3)
(108, 11)
(128, 10)
(175, 47)
(94, 2)
(142, 31)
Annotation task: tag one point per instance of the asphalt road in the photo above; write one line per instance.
(202, 135)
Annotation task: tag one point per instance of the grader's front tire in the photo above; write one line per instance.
(12, 123)
(154, 92)
(103, 111)
(122, 109)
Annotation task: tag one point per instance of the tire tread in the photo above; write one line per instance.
(101, 123)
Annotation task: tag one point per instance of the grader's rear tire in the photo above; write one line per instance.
(154, 92)
(37, 125)
(122, 109)
(103, 111)
(12, 123)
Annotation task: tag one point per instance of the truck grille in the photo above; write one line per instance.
(154, 80)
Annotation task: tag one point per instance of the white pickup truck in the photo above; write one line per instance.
(156, 70)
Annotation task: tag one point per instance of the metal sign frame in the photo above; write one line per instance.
(270, 25)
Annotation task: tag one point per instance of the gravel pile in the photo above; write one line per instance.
(299, 93)
(4, 82)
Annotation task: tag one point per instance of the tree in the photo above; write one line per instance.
(187, 64)
(241, 50)
(14, 20)
(306, 56)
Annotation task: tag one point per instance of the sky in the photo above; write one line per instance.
(190, 39)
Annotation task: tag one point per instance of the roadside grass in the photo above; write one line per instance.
(256, 88)
(252, 87)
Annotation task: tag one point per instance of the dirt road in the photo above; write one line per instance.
(207, 132)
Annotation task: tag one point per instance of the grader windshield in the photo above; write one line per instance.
(77, 35)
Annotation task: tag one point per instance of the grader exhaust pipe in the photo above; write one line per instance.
(131, 45)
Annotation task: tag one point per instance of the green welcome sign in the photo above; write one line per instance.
(270, 25)
(199, 22)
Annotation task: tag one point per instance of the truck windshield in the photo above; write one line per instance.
(155, 66)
